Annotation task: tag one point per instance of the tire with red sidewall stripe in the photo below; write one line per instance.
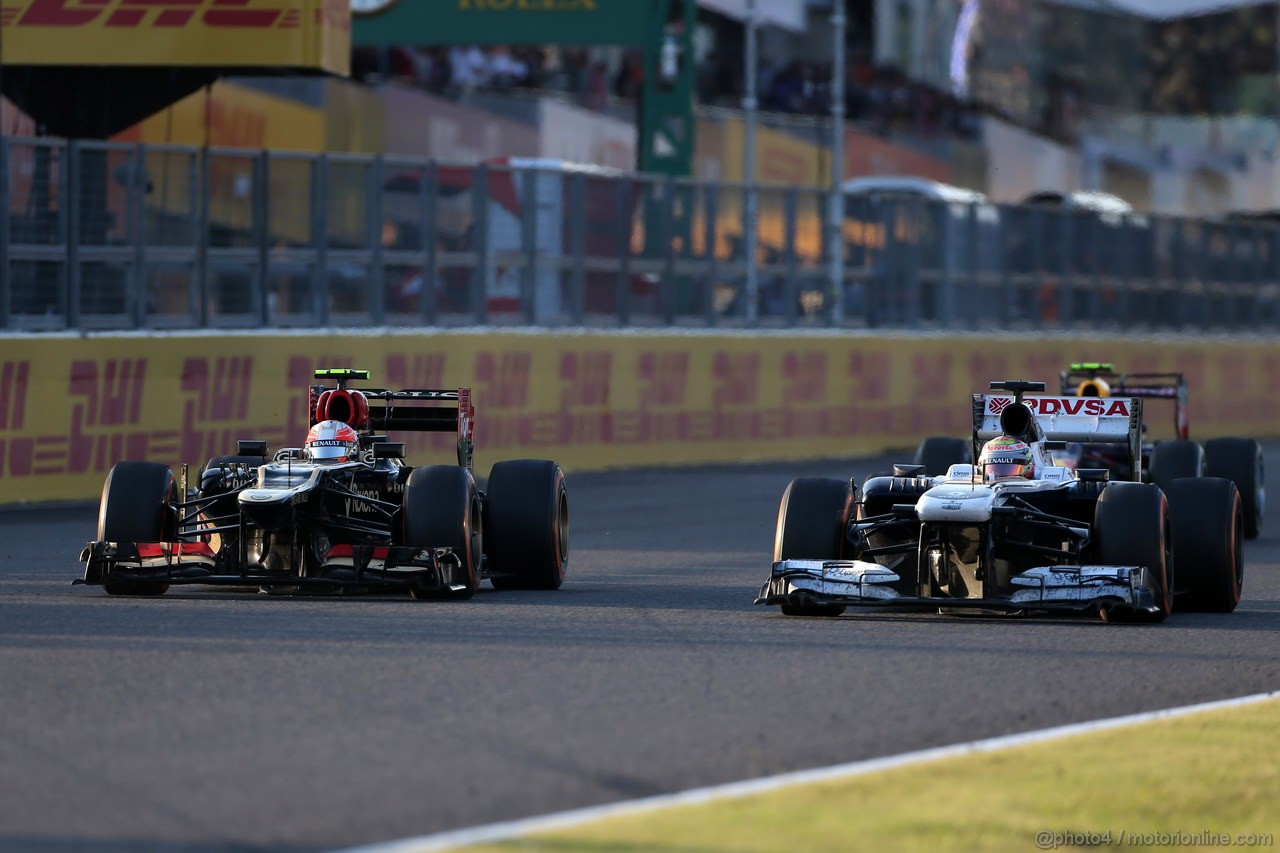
(527, 524)
(137, 507)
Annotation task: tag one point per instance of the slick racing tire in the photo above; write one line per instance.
(938, 453)
(442, 510)
(1207, 519)
(812, 520)
(137, 506)
(526, 524)
(1131, 526)
(1240, 461)
(1171, 460)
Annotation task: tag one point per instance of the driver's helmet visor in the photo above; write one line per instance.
(329, 449)
(993, 471)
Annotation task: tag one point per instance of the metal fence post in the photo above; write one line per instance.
(626, 191)
(577, 246)
(907, 306)
(71, 192)
(668, 283)
(791, 291)
(429, 269)
(1066, 270)
(1037, 265)
(1009, 291)
(712, 207)
(6, 289)
(262, 225)
(320, 238)
(480, 245)
(136, 194)
(528, 189)
(377, 306)
(200, 204)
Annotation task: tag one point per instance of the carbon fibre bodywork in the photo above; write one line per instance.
(1051, 541)
(368, 523)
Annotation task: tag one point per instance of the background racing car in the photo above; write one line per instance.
(343, 512)
(1044, 538)
(1237, 459)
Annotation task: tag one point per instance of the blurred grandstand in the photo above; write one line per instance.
(1109, 153)
(1168, 104)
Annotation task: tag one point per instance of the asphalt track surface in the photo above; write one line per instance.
(212, 719)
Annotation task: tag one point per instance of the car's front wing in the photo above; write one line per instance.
(423, 570)
(858, 583)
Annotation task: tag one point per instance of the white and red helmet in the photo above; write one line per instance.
(1005, 457)
(332, 441)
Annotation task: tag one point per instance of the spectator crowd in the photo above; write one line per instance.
(880, 98)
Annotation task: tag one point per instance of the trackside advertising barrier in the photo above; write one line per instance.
(70, 407)
(304, 34)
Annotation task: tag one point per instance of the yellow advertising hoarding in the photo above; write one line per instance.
(71, 407)
(298, 34)
(230, 116)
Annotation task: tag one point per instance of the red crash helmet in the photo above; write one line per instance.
(332, 441)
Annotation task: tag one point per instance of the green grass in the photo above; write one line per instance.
(1215, 772)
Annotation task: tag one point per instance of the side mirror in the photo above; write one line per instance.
(388, 450)
(247, 447)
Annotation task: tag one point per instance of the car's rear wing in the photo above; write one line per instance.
(1087, 420)
(425, 410)
(1090, 378)
(408, 410)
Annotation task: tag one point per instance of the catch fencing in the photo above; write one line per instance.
(98, 235)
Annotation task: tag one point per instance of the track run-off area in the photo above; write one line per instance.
(211, 719)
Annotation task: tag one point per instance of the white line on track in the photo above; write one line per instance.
(560, 820)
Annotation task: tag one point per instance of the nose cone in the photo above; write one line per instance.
(266, 508)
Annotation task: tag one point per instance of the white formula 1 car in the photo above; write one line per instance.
(1050, 539)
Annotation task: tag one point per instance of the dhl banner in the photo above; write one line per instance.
(71, 407)
(299, 34)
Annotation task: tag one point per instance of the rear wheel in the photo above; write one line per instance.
(812, 520)
(1240, 461)
(1131, 526)
(442, 510)
(137, 507)
(526, 522)
(1172, 460)
(938, 453)
(1207, 520)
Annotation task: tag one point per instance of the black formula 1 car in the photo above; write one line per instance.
(1237, 459)
(1063, 540)
(364, 523)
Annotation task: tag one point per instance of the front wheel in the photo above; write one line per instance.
(442, 510)
(526, 512)
(812, 520)
(1131, 526)
(137, 507)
